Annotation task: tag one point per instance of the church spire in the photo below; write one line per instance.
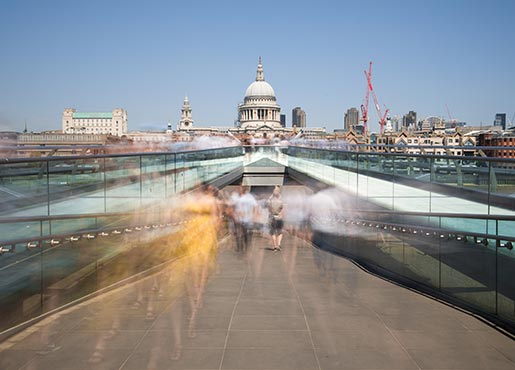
(186, 121)
(259, 75)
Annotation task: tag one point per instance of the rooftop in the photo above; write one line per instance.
(86, 115)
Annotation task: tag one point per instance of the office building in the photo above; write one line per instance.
(410, 119)
(298, 117)
(351, 119)
(500, 120)
(108, 123)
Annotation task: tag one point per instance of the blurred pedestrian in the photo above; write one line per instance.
(245, 209)
(276, 208)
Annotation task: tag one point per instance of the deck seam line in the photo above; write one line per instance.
(232, 316)
(147, 331)
(404, 349)
(305, 318)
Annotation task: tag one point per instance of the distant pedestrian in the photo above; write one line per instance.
(245, 209)
(297, 213)
(276, 208)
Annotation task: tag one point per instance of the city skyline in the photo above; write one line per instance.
(145, 57)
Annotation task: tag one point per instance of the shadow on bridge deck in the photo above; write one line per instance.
(301, 308)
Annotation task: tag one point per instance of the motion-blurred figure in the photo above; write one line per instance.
(198, 251)
(276, 208)
(200, 237)
(245, 212)
(326, 209)
(296, 214)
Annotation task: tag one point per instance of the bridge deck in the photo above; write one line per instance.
(301, 308)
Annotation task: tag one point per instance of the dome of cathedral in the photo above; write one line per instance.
(260, 88)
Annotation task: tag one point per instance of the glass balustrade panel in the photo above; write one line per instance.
(76, 186)
(123, 183)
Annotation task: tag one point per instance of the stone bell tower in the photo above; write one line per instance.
(186, 121)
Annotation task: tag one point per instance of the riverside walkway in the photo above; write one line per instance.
(301, 308)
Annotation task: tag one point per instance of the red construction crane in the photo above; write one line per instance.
(364, 107)
(382, 117)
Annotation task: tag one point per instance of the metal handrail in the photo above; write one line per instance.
(432, 231)
(412, 155)
(5, 220)
(438, 214)
(95, 231)
(410, 146)
(478, 216)
(111, 155)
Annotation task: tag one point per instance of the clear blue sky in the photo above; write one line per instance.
(144, 56)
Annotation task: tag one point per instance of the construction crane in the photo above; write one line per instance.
(370, 89)
(451, 120)
(364, 107)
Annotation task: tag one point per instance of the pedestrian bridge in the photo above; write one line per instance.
(407, 264)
